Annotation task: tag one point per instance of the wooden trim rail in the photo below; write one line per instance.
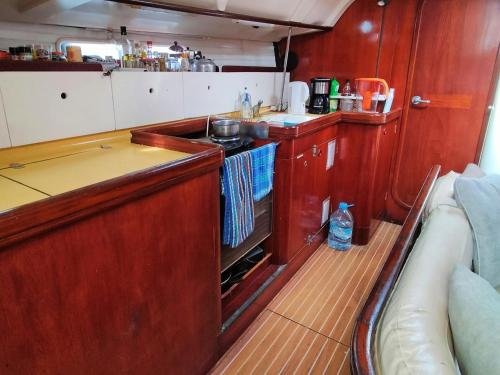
(362, 346)
(220, 14)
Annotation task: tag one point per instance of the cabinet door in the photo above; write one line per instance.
(323, 179)
(387, 136)
(303, 215)
(143, 98)
(43, 106)
(4, 130)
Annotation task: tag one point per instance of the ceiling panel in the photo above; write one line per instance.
(110, 15)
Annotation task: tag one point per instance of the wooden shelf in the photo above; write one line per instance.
(262, 230)
(48, 66)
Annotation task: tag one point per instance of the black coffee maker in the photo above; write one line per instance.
(320, 101)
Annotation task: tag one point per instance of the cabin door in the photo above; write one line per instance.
(451, 68)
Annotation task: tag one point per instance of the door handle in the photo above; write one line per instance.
(416, 100)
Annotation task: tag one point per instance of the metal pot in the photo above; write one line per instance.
(226, 128)
(203, 65)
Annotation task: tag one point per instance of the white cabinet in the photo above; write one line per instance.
(42, 106)
(4, 130)
(143, 98)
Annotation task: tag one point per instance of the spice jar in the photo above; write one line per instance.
(42, 53)
(58, 56)
(13, 53)
(24, 53)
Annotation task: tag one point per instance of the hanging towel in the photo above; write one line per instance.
(237, 189)
(262, 170)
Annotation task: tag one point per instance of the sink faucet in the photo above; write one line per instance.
(256, 109)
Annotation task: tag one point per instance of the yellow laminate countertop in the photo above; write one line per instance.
(44, 171)
(13, 194)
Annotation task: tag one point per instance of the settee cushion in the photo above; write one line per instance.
(474, 310)
(480, 199)
(442, 193)
(413, 336)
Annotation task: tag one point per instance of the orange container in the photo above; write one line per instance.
(371, 91)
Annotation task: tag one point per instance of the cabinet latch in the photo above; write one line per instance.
(309, 239)
(316, 151)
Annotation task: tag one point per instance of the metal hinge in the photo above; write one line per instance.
(309, 239)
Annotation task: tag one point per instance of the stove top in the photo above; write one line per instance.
(231, 145)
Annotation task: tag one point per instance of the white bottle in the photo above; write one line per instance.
(388, 101)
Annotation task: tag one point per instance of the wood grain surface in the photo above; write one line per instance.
(307, 327)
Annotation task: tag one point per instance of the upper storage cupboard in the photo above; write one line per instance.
(42, 106)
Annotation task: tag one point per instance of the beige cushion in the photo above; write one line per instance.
(414, 335)
(442, 193)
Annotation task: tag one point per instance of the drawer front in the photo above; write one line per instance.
(43, 106)
(143, 98)
(305, 143)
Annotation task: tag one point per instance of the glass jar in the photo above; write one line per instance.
(58, 56)
(346, 105)
(24, 53)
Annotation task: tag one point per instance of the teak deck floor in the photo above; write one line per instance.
(307, 327)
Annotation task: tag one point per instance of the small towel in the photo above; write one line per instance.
(262, 170)
(237, 189)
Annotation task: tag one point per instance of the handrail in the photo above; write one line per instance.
(219, 13)
(362, 346)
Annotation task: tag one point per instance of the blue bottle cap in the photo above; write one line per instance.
(343, 205)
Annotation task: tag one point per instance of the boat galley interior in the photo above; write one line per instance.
(195, 187)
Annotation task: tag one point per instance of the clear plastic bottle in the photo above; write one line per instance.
(246, 105)
(340, 233)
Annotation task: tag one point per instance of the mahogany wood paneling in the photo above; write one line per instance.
(452, 63)
(363, 354)
(48, 66)
(131, 289)
(362, 174)
(242, 68)
(349, 50)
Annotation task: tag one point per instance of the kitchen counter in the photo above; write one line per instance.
(276, 129)
(47, 170)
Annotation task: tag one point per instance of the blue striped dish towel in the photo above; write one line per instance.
(237, 188)
(262, 170)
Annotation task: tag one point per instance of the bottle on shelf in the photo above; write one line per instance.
(150, 49)
(346, 90)
(334, 91)
(126, 45)
(341, 224)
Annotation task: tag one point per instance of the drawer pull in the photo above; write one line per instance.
(64, 95)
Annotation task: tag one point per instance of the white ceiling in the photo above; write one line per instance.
(108, 15)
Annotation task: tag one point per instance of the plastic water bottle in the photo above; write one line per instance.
(340, 233)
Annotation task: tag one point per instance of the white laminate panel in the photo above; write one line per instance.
(36, 111)
(4, 130)
(143, 98)
(212, 93)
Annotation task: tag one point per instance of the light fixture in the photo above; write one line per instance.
(382, 3)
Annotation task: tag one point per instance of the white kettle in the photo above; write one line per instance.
(298, 93)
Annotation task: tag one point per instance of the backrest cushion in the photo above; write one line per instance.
(480, 199)
(474, 310)
(413, 336)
